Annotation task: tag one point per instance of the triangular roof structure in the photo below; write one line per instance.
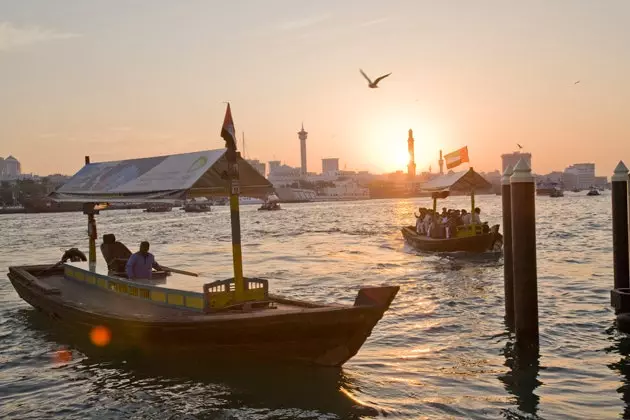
(464, 181)
(161, 179)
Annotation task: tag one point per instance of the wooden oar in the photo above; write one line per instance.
(174, 270)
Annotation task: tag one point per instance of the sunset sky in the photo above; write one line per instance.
(123, 79)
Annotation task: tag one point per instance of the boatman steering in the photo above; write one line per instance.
(140, 264)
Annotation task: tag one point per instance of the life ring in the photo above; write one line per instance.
(74, 255)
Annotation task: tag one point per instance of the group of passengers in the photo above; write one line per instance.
(444, 225)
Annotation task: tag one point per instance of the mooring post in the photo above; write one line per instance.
(621, 263)
(508, 267)
(523, 203)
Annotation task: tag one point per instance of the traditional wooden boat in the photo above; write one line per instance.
(197, 207)
(233, 318)
(158, 208)
(271, 204)
(592, 192)
(482, 242)
(476, 238)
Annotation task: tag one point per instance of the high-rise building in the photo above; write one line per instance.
(12, 168)
(273, 165)
(1, 167)
(330, 165)
(411, 167)
(513, 158)
(258, 165)
(583, 175)
(302, 136)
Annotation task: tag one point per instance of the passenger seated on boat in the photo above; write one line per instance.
(420, 221)
(466, 218)
(115, 253)
(140, 264)
(476, 216)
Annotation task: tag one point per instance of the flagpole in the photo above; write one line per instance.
(229, 135)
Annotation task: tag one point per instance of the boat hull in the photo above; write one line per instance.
(476, 244)
(320, 335)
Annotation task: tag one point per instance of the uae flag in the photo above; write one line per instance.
(456, 158)
(227, 131)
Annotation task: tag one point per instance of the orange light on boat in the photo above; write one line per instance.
(100, 336)
(63, 356)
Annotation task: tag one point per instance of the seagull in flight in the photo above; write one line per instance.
(576, 82)
(373, 84)
(519, 146)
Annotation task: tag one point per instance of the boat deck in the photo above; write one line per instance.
(104, 302)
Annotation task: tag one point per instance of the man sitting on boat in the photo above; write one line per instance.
(116, 254)
(141, 263)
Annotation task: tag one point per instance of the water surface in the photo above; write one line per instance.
(441, 351)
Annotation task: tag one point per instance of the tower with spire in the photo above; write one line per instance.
(441, 161)
(302, 135)
(411, 167)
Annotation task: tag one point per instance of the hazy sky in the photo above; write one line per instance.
(122, 79)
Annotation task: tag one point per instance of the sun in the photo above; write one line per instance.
(388, 149)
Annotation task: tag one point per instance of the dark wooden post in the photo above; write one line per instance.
(523, 202)
(87, 160)
(621, 263)
(508, 267)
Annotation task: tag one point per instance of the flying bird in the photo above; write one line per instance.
(519, 146)
(576, 82)
(373, 84)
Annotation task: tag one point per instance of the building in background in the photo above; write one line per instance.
(579, 176)
(258, 165)
(10, 168)
(513, 158)
(330, 165)
(411, 166)
(273, 164)
(302, 135)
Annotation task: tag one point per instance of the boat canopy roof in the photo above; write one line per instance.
(464, 181)
(161, 179)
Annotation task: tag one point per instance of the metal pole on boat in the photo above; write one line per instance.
(472, 211)
(228, 133)
(621, 263)
(523, 203)
(508, 267)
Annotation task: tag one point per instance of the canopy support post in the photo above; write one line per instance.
(90, 210)
(472, 210)
(235, 219)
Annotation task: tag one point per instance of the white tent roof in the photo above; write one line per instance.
(162, 178)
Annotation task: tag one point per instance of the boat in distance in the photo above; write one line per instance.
(236, 318)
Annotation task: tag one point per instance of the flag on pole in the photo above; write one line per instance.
(456, 158)
(227, 131)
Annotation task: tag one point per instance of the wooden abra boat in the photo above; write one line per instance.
(472, 238)
(172, 320)
(197, 207)
(232, 318)
(481, 242)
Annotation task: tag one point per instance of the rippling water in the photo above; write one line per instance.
(441, 351)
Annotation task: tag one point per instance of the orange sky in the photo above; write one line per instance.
(149, 78)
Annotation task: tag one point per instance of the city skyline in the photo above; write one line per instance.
(144, 79)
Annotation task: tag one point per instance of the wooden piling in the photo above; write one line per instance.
(621, 263)
(508, 267)
(523, 203)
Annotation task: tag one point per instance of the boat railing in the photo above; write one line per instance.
(469, 230)
(221, 294)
